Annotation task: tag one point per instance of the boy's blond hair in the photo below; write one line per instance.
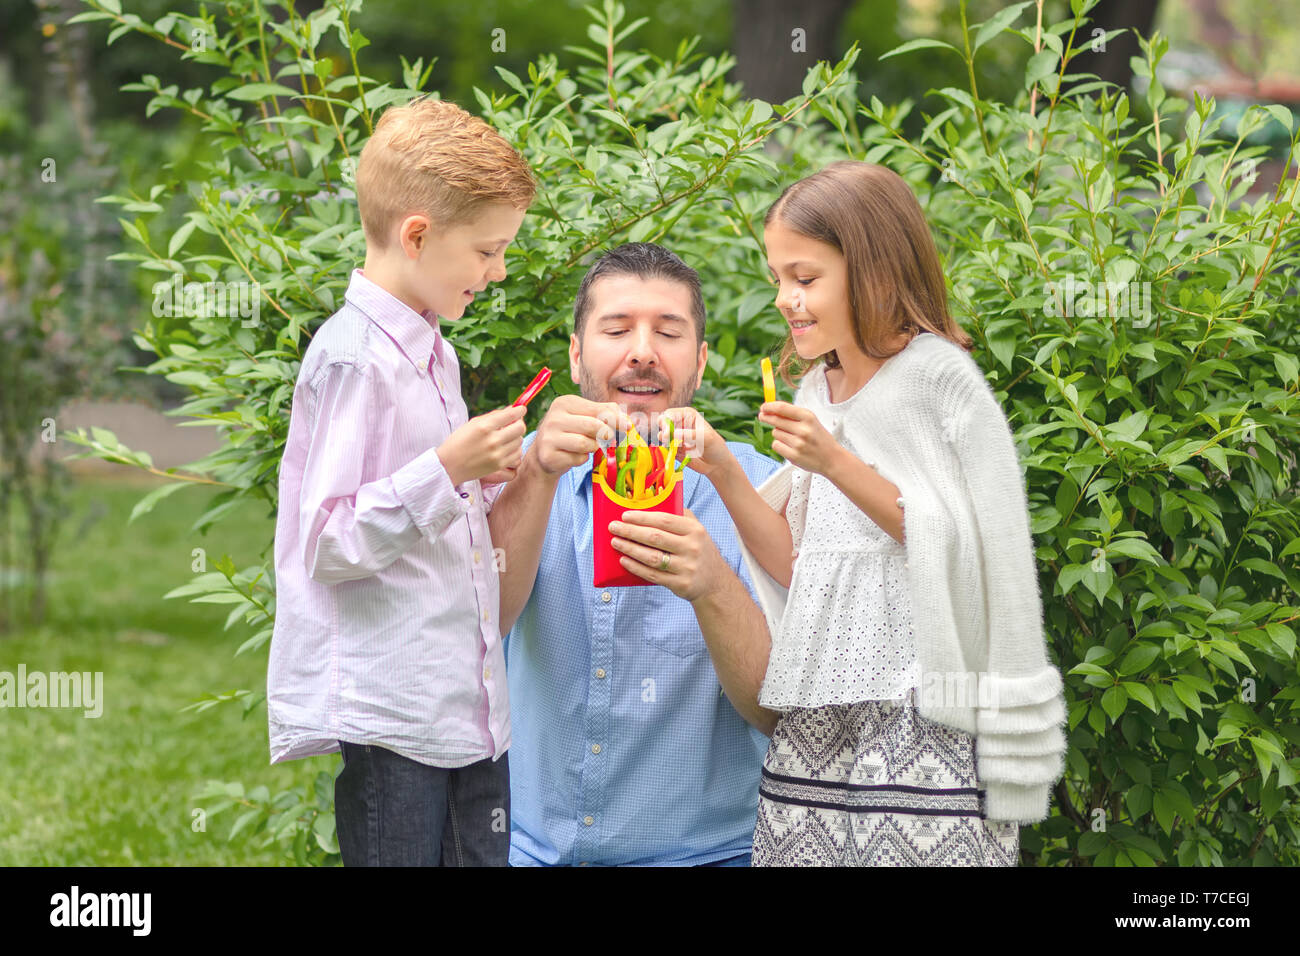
(433, 157)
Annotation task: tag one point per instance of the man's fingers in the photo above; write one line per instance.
(575, 444)
(674, 524)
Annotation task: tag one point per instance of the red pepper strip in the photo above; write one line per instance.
(656, 476)
(660, 470)
(533, 388)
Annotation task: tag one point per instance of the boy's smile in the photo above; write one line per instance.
(440, 271)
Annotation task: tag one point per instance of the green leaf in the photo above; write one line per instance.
(921, 44)
(323, 829)
(997, 23)
(1138, 659)
(146, 504)
(260, 91)
(1281, 114)
(1023, 203)
(1091, 843)
(179, 238)
(1164, 811)
(1041, 64)
(1142, 694)
(1113, 701)
(512, 80)
(1287, 367)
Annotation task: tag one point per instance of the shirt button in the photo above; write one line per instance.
(471, 500)
(477, 557)
(605, 597)
(595, 748)
(487, 673)
(487, 616)
(600, 673)
(900, 502)
(588, 820)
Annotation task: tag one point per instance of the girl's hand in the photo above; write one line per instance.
(799, 437)
(696, 437)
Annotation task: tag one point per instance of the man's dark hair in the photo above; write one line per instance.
(644, 260)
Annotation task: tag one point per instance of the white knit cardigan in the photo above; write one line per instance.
(936, 430)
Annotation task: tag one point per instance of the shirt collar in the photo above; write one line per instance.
(417, 334)
(580, 476)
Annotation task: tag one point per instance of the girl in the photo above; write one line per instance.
(919, 717)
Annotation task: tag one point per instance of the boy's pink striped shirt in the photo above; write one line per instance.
(387, 593)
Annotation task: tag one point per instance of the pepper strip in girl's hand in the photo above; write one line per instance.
(769, 382)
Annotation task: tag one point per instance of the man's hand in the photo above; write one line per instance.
(572, 429)
(694, 564)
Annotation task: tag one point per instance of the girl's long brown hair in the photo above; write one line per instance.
(896, 285)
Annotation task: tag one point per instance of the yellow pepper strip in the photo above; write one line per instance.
(644, 460)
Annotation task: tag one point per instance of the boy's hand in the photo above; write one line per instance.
(485, 447)
(696, 437)
(572, 429)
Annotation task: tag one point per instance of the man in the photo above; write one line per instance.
(630, 707)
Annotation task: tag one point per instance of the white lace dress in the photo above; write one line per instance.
(846, 634)
(855, 776)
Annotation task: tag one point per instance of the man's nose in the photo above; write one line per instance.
(642, 348)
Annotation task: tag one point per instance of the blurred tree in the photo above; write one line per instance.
(775, 43)
(1110, 60)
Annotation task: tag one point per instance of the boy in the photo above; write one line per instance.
(386, 642)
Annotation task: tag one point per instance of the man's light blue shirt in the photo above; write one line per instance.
(624, 748)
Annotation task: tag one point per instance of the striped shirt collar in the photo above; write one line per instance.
(417, 334)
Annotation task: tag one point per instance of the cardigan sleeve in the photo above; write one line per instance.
(1020, 743)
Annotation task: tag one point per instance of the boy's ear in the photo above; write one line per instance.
(413, 233)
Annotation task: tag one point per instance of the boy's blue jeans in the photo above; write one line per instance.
(390, 810)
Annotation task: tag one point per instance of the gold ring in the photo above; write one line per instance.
(663, 562)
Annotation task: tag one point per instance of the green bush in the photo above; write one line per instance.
(1158, 443)
(1135, 312)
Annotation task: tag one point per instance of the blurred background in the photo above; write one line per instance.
(77, 584)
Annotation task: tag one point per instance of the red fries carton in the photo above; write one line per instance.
(607, 506)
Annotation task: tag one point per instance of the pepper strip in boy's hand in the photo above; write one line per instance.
(695, 567)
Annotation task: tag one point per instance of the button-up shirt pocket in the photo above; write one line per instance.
(657, 630)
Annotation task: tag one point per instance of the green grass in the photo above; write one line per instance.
(120, 790)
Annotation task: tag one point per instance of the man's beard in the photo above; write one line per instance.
(594, 391)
